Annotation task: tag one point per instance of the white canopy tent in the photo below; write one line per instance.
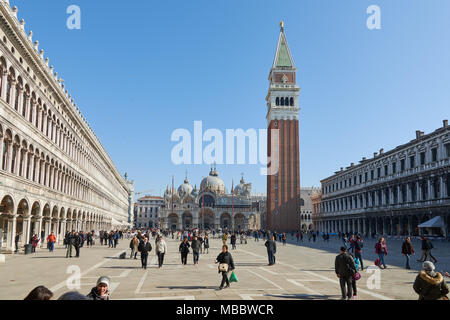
(435, 222)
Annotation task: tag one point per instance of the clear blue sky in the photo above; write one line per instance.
(141, 69)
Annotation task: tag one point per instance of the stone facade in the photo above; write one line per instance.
(211, 207)
(148, 211)
(306, 207)
(393, 192)
(55, 174)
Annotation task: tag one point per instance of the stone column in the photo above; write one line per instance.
(443, 186)
(11, 235)
(26, 230)
(430, 194)
(4, 76)
(418, 192)
(39, 229)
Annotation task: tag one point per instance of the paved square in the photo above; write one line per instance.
(304, 271)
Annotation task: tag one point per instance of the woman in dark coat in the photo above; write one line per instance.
(407, 250)
(225, 257)
(206, 244)
(430, 285)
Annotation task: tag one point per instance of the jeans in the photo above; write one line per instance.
(184, 258)
(381, 257)
(160, 258)
(132, 252)
(407, 256)
(271, 257)
(224, 279)
(51, 246)
(144, 258)
(69, 250)
(196, 255)
(358, 256)
(343, 281)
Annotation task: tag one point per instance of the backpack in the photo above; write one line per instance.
(358, 245)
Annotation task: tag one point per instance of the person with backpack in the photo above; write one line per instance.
(184, 250)
(345, 269)
(358, 245)
(430, 285)
(381, 251)
(271, 250)
(144, 248)
(407, 251)
(161, 250)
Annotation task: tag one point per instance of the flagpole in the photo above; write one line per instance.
(232, 205)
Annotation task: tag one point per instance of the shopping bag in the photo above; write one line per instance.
(233, 277)
(357, 276)
(377, 261)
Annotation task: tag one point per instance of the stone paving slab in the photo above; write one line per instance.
(303, 272)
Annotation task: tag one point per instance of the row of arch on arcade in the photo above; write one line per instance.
(386, 225)
(208, 221)
(27, 218)
(24, 159)
(37, 110)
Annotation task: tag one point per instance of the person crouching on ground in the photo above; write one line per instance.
(101, 290)
(226, 265)
(430, 285)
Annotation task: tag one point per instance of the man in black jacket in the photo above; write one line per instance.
(144, 247)
(271, 250)
(196, 247)
(345, 268)
(184, 250)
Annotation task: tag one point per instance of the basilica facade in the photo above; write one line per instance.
(210, 207)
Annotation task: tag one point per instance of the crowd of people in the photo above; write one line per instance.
(429, 284)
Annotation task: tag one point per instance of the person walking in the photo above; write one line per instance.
(116, 238)
(358, 245)
(144, 248)
(77, 244)
(407, 251)
(206, 244)
(16, 242)
(101, 290)
(224, 238)
(70, 238)
(233, 241)
(51, 239)
(271, 250)
(381, 251)
(161, 250)
(196, 246)
(226, 264)
(430, 247)
(345, 269)
(430, 285)
(134, 244)
(184, 250)
(298, 236)
(34, 243)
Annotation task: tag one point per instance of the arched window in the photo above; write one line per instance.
(282, 101)
(302, 202)
(291, 102)
(277, 101)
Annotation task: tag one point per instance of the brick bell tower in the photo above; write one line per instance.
(283, 185)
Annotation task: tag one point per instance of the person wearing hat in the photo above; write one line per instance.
(101, 291)
(430, 285)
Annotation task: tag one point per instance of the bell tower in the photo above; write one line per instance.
(283, 185)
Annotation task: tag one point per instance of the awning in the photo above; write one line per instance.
(436, 222)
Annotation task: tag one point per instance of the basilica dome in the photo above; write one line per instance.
(213, 183)
(185, 188)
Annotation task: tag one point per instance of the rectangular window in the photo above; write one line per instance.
(411, 162)
(447, 150)
(345, 183)
(394, 167)
(354, 179)
(402, 165)
(422, 158)
(378, 172)
(434, 154)
(360, 178)
(371, 174)
(386, 170)
(365, 176)
(340, 185)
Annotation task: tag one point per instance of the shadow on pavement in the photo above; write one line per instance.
(187, 287)
(303, 296)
